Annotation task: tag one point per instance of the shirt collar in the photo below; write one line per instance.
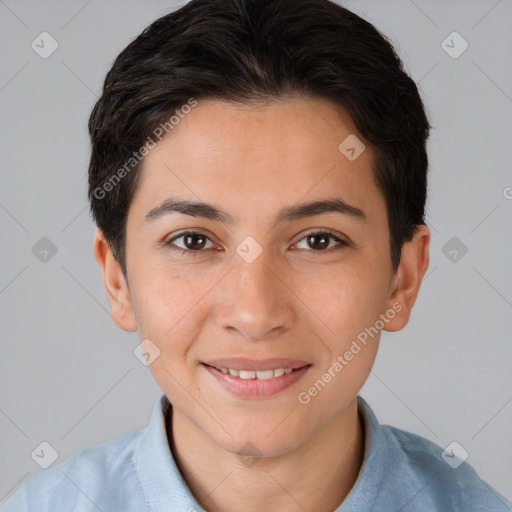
(376, 458)
(165, 489)
(162, 483)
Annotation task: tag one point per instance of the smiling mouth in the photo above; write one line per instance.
(261, 383)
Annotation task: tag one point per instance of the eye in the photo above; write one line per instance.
(193, 242)
(320, 241)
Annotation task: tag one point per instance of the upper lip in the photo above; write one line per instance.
(247, 364)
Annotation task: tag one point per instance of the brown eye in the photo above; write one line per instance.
(190, 242)
(320, 241)
(195, 241)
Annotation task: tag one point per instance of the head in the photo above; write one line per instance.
(249, 110)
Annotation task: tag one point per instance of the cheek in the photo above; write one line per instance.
(349, 301)
(171, 314)
(347, 298)
(167, 304)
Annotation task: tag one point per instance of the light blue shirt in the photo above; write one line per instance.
(401, 471)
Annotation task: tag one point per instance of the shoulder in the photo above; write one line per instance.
(442, 478)
(84, 480)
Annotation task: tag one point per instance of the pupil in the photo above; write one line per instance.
(188, 241)
(324, 241)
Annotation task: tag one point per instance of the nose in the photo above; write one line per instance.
(254, 300)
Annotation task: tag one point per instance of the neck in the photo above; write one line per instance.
(329, 463)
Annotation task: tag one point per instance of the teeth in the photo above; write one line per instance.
(263, 374)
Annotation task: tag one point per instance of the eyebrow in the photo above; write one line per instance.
(211, 212)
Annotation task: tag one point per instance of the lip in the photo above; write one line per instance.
(256, 388)
(254, 365)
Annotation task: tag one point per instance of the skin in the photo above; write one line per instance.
(294, 300)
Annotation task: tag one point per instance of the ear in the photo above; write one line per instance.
(407, 279)
(118, 293)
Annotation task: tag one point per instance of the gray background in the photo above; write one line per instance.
(68, 374)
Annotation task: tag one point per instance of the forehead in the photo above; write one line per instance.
(259, 157)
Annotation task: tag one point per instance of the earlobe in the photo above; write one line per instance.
(116, 288)
(408, 277)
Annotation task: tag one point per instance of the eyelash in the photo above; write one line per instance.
(192, 253)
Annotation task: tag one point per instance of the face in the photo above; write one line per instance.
(256, 275)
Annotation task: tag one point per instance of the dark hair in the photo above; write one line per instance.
(259, 50)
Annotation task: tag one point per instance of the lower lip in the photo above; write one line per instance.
(256, 388)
